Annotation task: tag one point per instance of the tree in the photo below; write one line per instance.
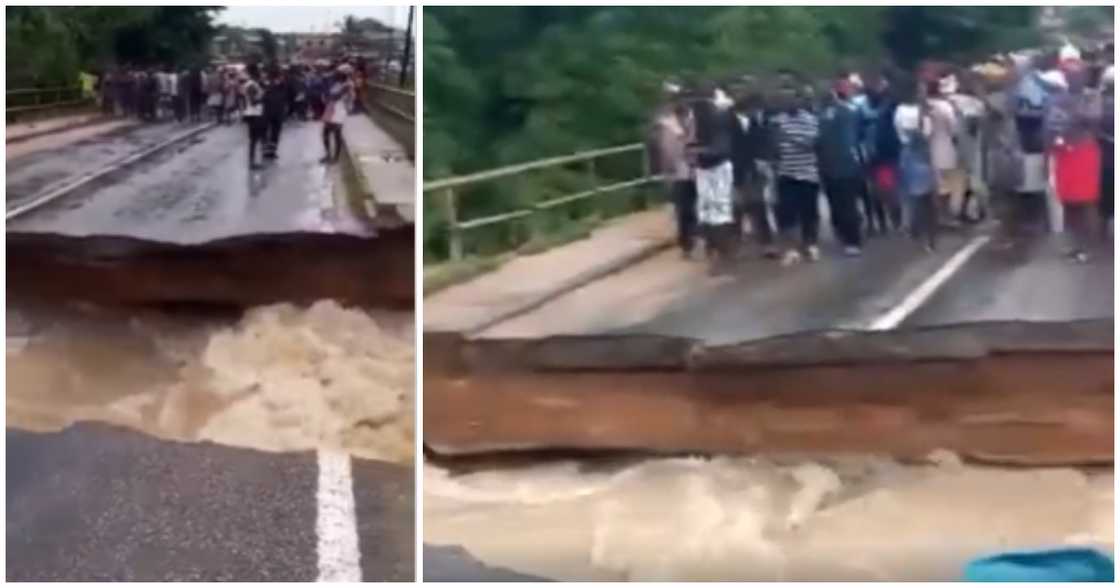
(268, 45)
(915, 33)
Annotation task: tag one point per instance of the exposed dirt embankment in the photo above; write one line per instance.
(243, 271)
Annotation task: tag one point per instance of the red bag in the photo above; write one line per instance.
(1077, 171)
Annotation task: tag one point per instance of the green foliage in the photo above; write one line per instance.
(914, 33)
(49, 45)
(1089, 20)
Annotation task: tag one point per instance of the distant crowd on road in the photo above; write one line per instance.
(264, 97)
(912, 152)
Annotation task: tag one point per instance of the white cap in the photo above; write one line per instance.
(671, 88)
(1108, 77)
(1068, 52)
(856, 80)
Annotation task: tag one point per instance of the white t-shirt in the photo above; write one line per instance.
(906, 121)
(942, 149)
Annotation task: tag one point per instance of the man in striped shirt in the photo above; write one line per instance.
(796, 134)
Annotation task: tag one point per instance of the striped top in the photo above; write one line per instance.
(797, 145)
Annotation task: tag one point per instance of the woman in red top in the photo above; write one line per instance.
(1076, 158)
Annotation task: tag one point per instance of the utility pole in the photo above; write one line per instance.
(407, 47)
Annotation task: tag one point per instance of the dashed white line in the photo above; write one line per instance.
(336, 525)
(893, 317)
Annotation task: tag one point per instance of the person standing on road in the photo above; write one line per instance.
(750, 146)
(196, 93)
(883, 151)
(841, 165)
(668, 138)
(796, 135)
(972, 111)
(943, 148)
(913, 120)
(712, 150)
(215, 94)
(253, 113)
(1071, 136)
(231, 95)
(338, 98)
(276, 97)
(178, 85)
(298, 92)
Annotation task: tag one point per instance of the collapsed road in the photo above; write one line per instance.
(882, 418)
(210, 370)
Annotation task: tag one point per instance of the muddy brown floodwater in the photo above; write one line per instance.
(276, 378)
(726, 518)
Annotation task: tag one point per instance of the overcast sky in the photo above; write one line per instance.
(305, 19)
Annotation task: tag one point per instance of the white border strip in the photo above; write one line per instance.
(337, 525)
(893, 317)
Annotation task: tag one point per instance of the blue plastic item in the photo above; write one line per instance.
(1067, 564)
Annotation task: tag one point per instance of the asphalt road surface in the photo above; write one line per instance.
(1024, 278)
(196, 191)
(95, 503)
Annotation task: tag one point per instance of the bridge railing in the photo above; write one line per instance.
(449, 190)
(35, 99)
(400, 103)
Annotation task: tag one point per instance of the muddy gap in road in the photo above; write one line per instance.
(278, 378)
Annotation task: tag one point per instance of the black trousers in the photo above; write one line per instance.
(797, 207)
(257, 129)
(332, 130)
(683, 193)
(842, 194)
(274, 125)
(924, 225)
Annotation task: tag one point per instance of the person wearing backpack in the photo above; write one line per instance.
(917, 177)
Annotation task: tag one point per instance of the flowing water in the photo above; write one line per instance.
(275, 378)
(727, 518)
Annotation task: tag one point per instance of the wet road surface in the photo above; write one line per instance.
(35, 173)
(1022, 279)
(197, 191)
(98, 503)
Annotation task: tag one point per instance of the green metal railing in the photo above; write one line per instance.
(450, 188)
(36, 99)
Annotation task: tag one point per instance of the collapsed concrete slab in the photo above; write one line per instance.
(1016, 392)
(243, 271)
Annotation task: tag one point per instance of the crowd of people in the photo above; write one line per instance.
(892, 151)
(263, 97)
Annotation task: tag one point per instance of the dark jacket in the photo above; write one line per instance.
(715, 130)
(838, 149)
(276, 99)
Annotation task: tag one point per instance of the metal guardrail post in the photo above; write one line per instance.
(455, 234)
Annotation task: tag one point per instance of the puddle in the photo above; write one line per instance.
(678, 519)
(276, 378)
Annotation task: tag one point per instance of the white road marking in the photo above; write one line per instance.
(893, 317)
(337, 526)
